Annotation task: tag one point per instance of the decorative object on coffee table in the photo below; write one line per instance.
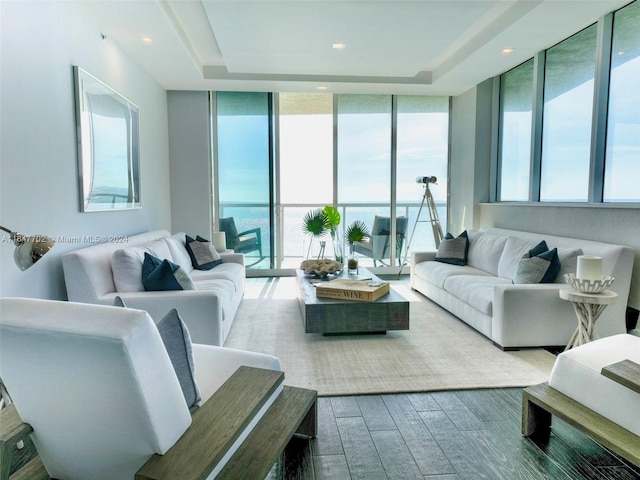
(320, 268)
(588, 307)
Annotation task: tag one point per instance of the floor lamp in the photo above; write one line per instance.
(29, 249)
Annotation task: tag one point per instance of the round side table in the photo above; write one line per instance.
(588, 307)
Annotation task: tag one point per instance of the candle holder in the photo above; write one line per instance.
(588, 286)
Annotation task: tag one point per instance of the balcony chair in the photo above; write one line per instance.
(378, 245)
(243, 242)
(99, 388)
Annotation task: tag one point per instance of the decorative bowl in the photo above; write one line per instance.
(320, 268)
(588, 286)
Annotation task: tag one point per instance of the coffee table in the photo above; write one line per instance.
(331, 316)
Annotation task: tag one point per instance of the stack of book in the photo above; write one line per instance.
(357, 290)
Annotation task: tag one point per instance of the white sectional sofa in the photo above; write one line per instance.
(481, 293)
(208, 311)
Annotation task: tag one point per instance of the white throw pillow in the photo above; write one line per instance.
(513, 251)
(485, 250)
(568, 262)
(178, 251)
(126, 264)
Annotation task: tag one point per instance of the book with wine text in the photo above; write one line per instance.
(356, 290)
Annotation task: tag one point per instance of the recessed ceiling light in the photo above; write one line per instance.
(507, 50)
(146, 39)
(339, 45)
(321, 87)
(621, 53)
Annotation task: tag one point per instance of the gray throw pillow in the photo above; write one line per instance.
(177, 340)
(204, 255)
(538, 265)
(453, 250)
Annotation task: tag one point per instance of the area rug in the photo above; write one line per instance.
(438, 352)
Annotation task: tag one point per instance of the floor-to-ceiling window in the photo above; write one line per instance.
(244, 172)
(622, 158)
(305, 168)
(364, 162)
(422, 151)
(279, 156)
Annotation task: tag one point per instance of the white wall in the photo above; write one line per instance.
(191, 180)
(38, 173)
(469, 172)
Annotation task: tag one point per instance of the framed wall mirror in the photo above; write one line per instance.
(108, 146)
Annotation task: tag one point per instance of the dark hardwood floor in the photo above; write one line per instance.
(472, 434)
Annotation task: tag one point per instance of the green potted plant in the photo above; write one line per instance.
(315, 224)
(332, 217)
(355, 233)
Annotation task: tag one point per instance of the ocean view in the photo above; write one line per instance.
(295, 245)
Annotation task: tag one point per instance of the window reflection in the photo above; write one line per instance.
(622, 158)
(566, 129)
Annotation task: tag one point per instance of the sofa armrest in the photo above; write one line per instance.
(419, 257)
(232, 258)
(531, 315)
(201, 310)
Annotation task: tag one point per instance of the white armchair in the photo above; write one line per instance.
(98, 388)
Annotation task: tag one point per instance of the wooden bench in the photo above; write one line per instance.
(540, 402)
(213, 433)
(216, 430)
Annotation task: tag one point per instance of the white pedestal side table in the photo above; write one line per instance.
(588, 307)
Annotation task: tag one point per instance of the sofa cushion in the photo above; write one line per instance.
(538, 265)
(202, 252)
(177, 341)
(453, 250)
(475, 290)
(178, 249)
(160, 275)
(485, 251)
(233, 272)
(514, 249)
(437, 272)
(126, 264)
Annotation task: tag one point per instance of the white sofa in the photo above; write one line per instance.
(482, 294)
(208, 311)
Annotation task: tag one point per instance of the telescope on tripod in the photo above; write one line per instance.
(434, 220)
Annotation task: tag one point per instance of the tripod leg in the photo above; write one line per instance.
(406, 253)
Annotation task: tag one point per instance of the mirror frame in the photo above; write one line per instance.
(103, 148)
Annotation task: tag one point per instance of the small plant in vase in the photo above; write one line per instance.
(315, 224)
(355, 233)
(332, 217)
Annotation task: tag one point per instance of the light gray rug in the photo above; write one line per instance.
(439, 352)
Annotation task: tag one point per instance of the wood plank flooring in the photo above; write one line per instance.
(471, 434)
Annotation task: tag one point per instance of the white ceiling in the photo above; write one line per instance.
(435, 47)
